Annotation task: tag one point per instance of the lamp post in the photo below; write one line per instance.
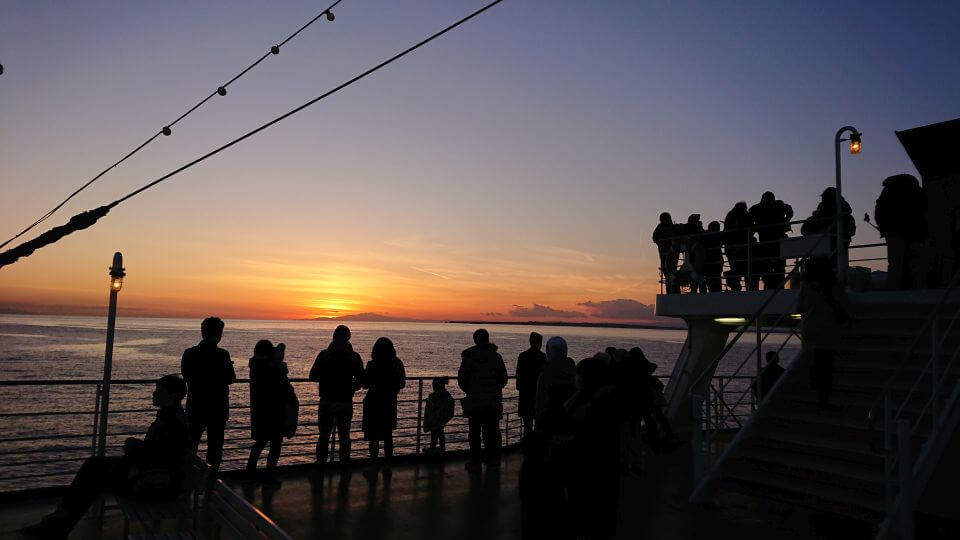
(855, 147)
(116, 283)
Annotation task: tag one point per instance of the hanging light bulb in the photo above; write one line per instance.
(330, 15)
(855, 145)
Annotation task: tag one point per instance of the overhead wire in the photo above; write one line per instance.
(86, 219)
(166, 129)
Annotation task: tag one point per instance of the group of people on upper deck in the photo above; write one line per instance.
(750, 238)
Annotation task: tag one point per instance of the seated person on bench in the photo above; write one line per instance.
(150, 469)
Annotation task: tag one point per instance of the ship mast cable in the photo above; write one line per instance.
(221, 90)
(88, 218)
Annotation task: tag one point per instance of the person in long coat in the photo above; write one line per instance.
(383, 378)
(268, 396)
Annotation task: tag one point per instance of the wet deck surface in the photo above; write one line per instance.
(441, 500)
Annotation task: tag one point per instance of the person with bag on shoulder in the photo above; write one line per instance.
(482, 376)
(269, 389)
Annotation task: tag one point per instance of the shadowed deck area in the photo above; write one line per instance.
(439, 499)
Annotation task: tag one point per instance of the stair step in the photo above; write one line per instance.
(804, 493)
(811, 465)
(814, 439)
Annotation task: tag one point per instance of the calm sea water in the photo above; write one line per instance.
(36, 348)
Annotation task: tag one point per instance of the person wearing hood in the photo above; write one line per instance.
(822, 219)
(771, 217)
(482, 376)
(268, 392)
(901, 214)
(664, 236)
(736, 241)
(555, 385)
(338, 370)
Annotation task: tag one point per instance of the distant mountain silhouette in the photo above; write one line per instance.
(368, 317)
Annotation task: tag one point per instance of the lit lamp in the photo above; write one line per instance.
(117, 271)
(855, 147)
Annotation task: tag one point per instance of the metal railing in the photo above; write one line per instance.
(46, 447)
(710, 428)
(733, 271)
(901, 432)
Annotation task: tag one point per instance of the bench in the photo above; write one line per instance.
(185, 507)
(242, 518)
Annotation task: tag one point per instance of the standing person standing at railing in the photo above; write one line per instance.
(150, 469)
(825, 308)
(901, 215)
(482, 376)
(268, 397)
(736, 241)
(529, 366)
(383, 378)
(663, 237)
(822, 219)
(771, 217)
(339, 374)
(438, 411)
(209, 373)
(713, 267)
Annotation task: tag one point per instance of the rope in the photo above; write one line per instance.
(10, 256)
(166, 131)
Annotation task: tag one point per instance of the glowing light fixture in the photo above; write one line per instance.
(116, 273)
(796, 316)
(730, 320)
(855, 145)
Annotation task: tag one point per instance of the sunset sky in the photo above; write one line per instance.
(513, 169)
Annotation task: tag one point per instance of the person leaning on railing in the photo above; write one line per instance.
(738, 242)
(823, 218)
(771, 217)
(153, 468)
(668, 249)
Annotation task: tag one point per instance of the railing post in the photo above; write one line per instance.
(758, 382)
(696, 409)
(935, 386)
(507, 429)
(905, 510)
(419, 413)
(749, 276)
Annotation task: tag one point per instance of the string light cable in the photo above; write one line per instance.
(166, 129)
(88, 218)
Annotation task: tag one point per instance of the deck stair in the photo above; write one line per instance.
(790, 453)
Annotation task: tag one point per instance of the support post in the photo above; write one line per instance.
(757, 381)
(419, 413)
(905, 510)
(116, 281)
(749, 277)
(96, 420)
(696, 408)
(934, 383)
(888, 454)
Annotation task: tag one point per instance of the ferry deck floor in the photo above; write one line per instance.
(439, 499)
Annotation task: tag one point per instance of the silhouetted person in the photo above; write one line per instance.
(529, 366)
(664, 236)
(628, 374)
(771, 217)
(822, 220)
(150, 469)
(544, 512)
(209, 373)
(439, 410)
(594, 489)
(555, 385)
(768, 376)
(825, 309)
(269, 388)
(339, 374)
(713, 250)
(383, 378)
(738, 244)
(482, 376)
(659, 430)
(901, 215)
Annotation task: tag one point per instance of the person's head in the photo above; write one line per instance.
(773, 357)
(740, 207)
(768, 197)
(694, 219)
(263, 349)
(211, 330)
(829, 196)
(536, 341)
(714, 226)
(611, 352)
(666, 219)
(556, 348)
(170, 391)
(637, 355)
(591, 372)
(902, 179)
(481, 336)
(439, 383)
(383, 350)
(341, 333)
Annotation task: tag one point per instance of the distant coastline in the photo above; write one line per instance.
(578, 324)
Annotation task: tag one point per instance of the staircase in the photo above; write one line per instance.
(793, 455)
